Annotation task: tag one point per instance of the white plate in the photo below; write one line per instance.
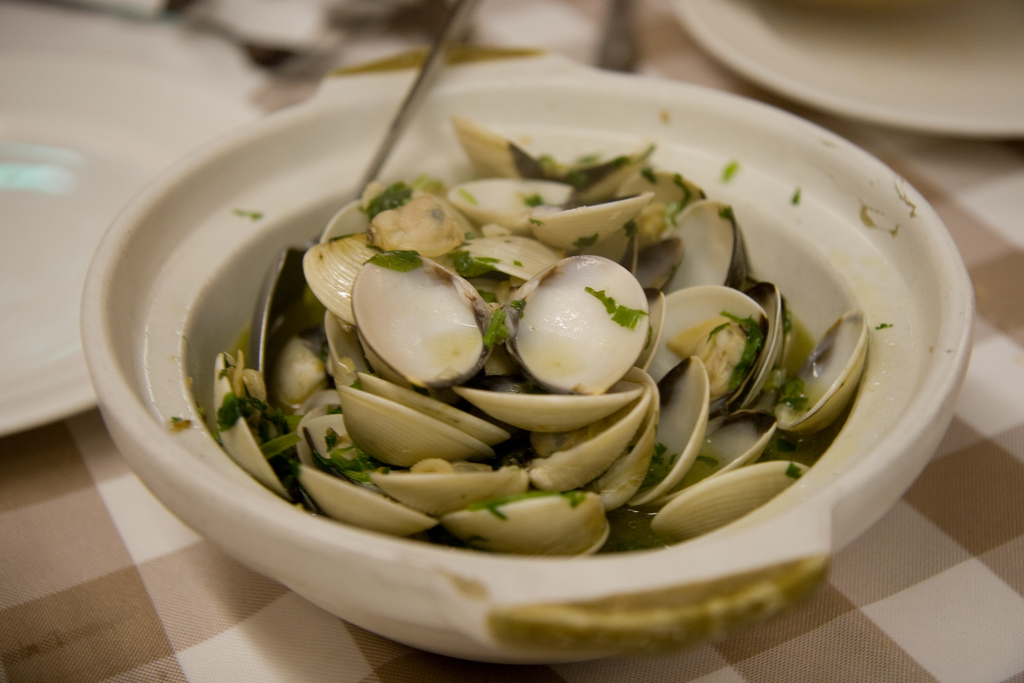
(954, 70)
(78, 137)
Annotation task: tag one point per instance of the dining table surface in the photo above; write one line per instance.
(98, 582)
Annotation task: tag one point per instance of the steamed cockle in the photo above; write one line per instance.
(505, 361)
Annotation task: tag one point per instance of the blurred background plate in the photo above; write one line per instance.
(79, 135)
(949, 68)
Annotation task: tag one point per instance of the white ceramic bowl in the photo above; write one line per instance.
(175, 278)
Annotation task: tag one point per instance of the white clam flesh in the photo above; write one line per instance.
(721, 325)
(578, 326)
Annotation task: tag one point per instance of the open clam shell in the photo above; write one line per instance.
(331, 267)
(534, 523)
(672, 194)
(717, 323)
(829, 377)
(540, 412)
(509, 202)
(714, 250)
(313, 429)
(345, 353)
(584, 226)
(357, 505)
(578, 326)
(493, 155)
(590, 453)
(371, 421)
(514, 255)
(623, 477)
(349, 220)
(442, 491)
(684, 409)
(487, 432)
(238, 440)
(433, 333)
(730, 441)
(716, 501)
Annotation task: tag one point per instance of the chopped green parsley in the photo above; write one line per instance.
(468, 265)
(251, 215)
(403, 261)
(755, 340)
(621, 315)
(648, 173)
(630, 227)
(394, 196)
(793, 471)
(533, 200)
(660, 466)
(883, 326)
(795, 199)
(494, 504)
(791, 394)
(729, 172)
(534, 221)
(584, 242)
(497, 331)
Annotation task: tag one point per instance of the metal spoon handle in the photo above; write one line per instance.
(431, 67)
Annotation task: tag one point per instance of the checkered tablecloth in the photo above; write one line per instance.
(99, 582)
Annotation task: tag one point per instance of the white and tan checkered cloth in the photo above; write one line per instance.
(99, 582)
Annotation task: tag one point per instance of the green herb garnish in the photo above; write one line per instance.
(392, 197)
(584, 242)
(627, 317)
(402, 261)
(648, 172)
(755, 340)
(795, 199)
(251, 215)
(630, 227)
(493, 505)
(791, 394)
(279, 445)
(883, 326)
(467, 196)
(730, 171)
(534, 221)
(518, 304)
(793, 471)
(497, 331)
(468, 265)
(660, 466)
(533, 200)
